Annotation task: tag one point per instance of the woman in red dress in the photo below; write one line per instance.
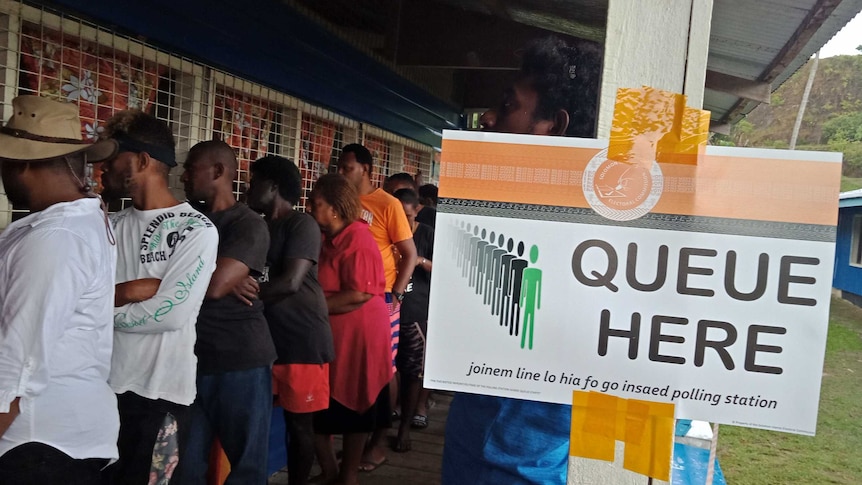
(351, 275)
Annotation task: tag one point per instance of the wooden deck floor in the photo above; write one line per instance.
(420, 466)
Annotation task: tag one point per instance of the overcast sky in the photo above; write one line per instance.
(846, 40)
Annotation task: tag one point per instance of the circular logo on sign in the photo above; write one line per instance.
(621, 191)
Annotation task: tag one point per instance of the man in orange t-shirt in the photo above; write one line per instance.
(390, 228)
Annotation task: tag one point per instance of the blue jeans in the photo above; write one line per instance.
(491, 440)
(236, 408)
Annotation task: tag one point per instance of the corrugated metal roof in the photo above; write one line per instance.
(748, 38)
(852, 198)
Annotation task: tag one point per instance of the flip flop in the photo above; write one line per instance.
(368, 466)
(419, 422)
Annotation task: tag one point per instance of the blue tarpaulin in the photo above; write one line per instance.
(689, 466)
(277, 447)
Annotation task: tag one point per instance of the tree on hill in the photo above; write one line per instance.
(843, 128)
(832, 119)
(837, 91)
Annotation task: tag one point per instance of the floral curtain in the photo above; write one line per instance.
(243, 122)
(379, 149)
(317, 143)
(99, 79)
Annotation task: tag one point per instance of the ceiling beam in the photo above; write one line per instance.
(740, 87)
(720, 128)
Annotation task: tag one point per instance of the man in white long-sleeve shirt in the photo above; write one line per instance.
(58, 417)
(166, 256)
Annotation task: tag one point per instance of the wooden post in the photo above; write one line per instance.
(710, 470)
(663, 44)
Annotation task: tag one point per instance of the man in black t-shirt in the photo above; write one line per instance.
(295, 307)
(428, 201)
(414, 324)
(234, 347)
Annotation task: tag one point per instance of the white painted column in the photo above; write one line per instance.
(660, 43)
(663, 44)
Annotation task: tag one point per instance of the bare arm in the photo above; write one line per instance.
(407, 250)
(229, 273)
(135, 291)
(423, 263)
(7, 418)
(247, 290)
(181, 291)
(346, 301)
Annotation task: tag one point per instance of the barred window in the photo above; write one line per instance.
(101, 80)
(380, 155)
(67, 59)
(418, 161)
(49, 53)
(248, 124)
(320, 147)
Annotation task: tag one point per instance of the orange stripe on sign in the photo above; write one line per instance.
(767, 189)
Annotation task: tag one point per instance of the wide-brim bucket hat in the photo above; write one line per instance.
(41, 129)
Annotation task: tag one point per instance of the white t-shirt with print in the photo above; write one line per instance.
(154, 339)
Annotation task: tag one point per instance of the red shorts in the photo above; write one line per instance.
(301, 388)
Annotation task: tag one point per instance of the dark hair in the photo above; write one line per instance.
(143, 127)
(219, 151)
(361, 153)
(407, 196)
(283, 173)
(402, 177)
(428, 193)
(564, 77)
(338, 192)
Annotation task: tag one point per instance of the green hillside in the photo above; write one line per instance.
(832, 120)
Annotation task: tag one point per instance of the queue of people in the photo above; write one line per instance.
(215, 309)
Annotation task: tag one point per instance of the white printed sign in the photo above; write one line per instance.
(709, 300)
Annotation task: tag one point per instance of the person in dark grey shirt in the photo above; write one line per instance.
(234, 347)
(414, 325)
(295, 307)
(428, 205)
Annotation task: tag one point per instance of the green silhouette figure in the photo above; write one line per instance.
(531, 294)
